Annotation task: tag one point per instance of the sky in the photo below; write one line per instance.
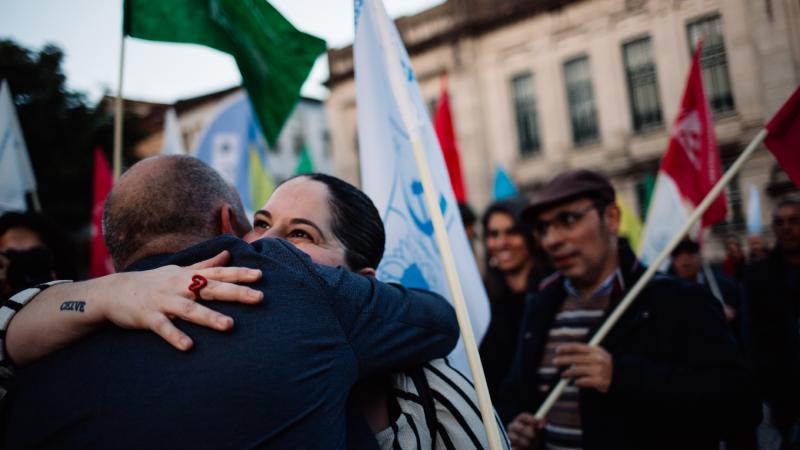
(89, 33)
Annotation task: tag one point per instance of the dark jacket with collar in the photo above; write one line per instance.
(772, 288)
(678, 379)
(280, 379)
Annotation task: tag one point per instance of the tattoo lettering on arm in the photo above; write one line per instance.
(76, 306)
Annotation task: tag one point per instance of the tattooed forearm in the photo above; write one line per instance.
(76, 306)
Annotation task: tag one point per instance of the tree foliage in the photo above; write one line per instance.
(61, 130)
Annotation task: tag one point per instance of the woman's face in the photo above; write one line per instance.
(299, 212)
(505, 244)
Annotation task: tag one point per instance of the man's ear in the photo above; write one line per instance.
(231, 222)
(368, 272)
(612, 218)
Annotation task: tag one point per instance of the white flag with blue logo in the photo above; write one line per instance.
(391, 110)
(16, 173)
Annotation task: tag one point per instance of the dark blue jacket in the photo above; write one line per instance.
(679, 381)
(773, 297)
(280, 379)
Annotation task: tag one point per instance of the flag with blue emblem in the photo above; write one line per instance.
(233, 145)
(390, 176)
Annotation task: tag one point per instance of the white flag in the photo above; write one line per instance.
(16, 173)
(172, 139)
(666, 216)
(390, 111)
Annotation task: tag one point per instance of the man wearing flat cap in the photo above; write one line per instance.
(668, 376)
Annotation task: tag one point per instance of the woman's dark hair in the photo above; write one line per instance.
(495, 279)
(356, 222)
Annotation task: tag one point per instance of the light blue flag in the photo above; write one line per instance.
(754, 225)
(390, 111)
(227, 141)
(503, 186)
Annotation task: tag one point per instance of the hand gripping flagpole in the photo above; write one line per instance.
(654, 266)
(412, 124)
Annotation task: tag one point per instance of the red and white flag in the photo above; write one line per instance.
(100, 263)
(783, 139)
(690, 168)
(443, 125)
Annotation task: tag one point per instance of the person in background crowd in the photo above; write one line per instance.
(514, 267)
(735, 262)
(756, 250)
(31, 252)
(668, 376)
(687, 264)
(468, 219)
(772, 290)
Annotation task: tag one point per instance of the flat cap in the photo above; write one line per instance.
(567, 187)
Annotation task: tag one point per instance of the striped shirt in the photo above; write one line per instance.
(458, 420)
(573, 323)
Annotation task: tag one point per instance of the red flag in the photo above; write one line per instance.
(443, 124)
(783, 139)
(692, 158)
(100, 263)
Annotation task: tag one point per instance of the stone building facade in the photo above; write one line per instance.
(544, 86)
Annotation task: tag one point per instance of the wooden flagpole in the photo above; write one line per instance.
(118, 112)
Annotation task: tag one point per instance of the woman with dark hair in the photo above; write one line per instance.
(432, 406)
(514, 267)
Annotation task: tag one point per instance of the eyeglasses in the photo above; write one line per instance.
(564, 220)
(792, 221)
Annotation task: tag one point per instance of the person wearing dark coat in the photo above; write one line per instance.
(669, 374)
(280, 379)
(772, 290)
(514, 267)
(687, 264)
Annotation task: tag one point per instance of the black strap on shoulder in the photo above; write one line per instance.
(417, 375)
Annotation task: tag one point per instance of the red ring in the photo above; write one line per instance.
(198, 282)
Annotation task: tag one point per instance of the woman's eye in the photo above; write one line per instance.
(300, 234)
(261, 224)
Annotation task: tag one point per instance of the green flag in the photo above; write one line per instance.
(274, 58)
(304, 164)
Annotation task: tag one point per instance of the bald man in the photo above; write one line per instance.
(281, 380)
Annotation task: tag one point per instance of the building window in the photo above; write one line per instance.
(714, 62)
(524, 94)
(640, 71)
(581, 100)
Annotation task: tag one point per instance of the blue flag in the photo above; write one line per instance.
(228, 144)
(503, 186)
(754, 225)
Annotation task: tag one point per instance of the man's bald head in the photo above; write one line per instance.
(165, 204)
